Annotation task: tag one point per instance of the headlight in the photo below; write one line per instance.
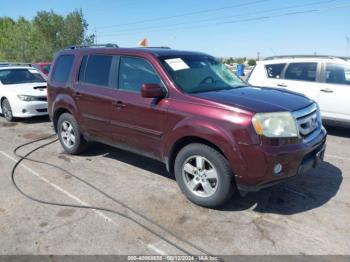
(26, 98)
(280, 124)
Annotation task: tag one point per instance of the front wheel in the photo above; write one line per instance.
(6, 110)
(69, 135)
(204, 175)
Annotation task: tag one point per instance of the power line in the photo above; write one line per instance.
(242, 20)
(219, 18)
(186, 14)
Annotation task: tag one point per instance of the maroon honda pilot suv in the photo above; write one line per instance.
(216, 133)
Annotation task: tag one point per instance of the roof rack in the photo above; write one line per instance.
(108, 45)
(306, 56)
(155, 47)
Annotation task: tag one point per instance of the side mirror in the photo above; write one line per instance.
(152, 91)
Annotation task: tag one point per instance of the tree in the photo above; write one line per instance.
(251, 62)
(40, 38)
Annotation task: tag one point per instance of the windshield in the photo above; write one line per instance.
(200, 73)
(20, 76)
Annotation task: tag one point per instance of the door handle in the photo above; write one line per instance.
(327, 90)
(77, 95)
(282, 85)
(118, 104)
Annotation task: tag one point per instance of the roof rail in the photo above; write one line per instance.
(305, 56)
(108, 45)
(3, 64)
(161, 47)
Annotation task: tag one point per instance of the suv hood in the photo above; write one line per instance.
(257, 99)
(29, 89)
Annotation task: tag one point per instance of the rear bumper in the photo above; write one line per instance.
(296, 160)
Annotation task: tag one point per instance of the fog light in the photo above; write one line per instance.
(24, 111)
(277, 168)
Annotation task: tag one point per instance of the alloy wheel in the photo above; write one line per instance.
(200, 176)
(67, 134)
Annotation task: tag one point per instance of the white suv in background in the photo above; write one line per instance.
(22, 92)
(324, 79)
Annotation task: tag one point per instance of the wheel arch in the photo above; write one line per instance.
(57, 114)
(184, 141)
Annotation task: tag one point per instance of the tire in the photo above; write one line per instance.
(204, 175)
(69, 134)
(6, 110)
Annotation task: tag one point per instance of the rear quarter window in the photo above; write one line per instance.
(274, 70)
(63, 68)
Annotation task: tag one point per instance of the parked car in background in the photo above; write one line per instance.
(22, 92)
(324, 79)
(43, 67)
(187, 110)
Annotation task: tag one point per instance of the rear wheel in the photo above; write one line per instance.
(6, 110)
(69, 135)
(204, 175)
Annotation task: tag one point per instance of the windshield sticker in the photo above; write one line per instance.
(177, 64)
(33, 71)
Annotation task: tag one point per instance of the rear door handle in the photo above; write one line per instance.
(327, 90)
(282, 85)
(77, 95)
(118, 104)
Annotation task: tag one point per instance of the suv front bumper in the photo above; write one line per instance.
(296, 160)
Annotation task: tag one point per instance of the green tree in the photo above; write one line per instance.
(251, 62)
(40, 38)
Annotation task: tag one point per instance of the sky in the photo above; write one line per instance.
(223, 28)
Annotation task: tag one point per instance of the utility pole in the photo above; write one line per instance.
(95, 34)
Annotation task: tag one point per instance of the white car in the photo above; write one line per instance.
(324, 79)
(22, 92)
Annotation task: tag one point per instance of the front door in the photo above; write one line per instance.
(137, 122)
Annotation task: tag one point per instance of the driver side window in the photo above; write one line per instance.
(135, 71)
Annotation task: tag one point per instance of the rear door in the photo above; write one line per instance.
(302, 77)
(137, 122)
(334, 97)
(93, 94)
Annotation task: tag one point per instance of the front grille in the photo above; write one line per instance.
(41, 98)
(44, 110)
(308, 120)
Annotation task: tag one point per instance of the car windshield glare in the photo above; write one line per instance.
(200, 73)
(20, 76)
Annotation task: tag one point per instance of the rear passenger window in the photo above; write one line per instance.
(97, 70)
(301, 71)
(62, 68)
(338, 74)
(274, 70)
(133, 72)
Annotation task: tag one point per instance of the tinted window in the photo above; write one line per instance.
(20, 76)
(301, 71)
(338, 74)
(274, 70)
(98, 69)
(63, 67)
(133, 72)
(81, 76)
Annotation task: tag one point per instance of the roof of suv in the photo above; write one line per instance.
(306, 58)
(157, 51)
